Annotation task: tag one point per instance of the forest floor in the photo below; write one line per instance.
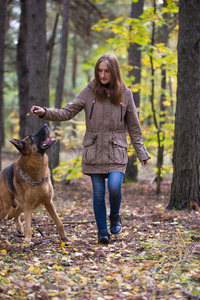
(156, 256)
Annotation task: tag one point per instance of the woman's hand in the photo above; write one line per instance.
(144, 163)
(38, 111)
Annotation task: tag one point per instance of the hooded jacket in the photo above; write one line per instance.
(105, 144)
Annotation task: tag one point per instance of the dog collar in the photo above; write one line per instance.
(33, 183)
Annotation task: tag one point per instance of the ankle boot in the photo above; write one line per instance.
(115, 224)
(103, 237)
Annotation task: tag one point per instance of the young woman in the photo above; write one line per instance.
(109, 110)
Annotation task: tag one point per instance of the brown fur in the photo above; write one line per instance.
(26, 184)
(194, 206)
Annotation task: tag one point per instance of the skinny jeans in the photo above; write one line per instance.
(114, 184)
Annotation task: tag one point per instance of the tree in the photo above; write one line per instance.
(37, 59)
(22, 71)
(3, 7)
(134, 60)
(51, 44)
(160, 159)
(186, 153)
(134, 52)
(62, 69)
(75, 60)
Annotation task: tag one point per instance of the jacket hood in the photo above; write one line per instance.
(91, 83)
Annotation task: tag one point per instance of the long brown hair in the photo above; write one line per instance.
(116, 85)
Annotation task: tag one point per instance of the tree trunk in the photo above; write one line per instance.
(134, 52)
(135, 61)
(37, 60)
(51, 43)
(74, 69)
(162, 107)
(3, 9)
(131, 169)
(186, 154)
(22, 71)
(62, 69)
(152, 100)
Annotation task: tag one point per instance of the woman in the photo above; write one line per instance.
(109, 110)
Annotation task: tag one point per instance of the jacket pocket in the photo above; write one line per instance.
(90, 150)
(119, 153)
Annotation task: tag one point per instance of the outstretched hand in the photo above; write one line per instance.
(38, 111)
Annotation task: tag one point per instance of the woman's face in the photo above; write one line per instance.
(104, 73)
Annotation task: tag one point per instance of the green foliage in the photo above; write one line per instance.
(68, 170)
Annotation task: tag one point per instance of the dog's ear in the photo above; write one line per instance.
(18, 144)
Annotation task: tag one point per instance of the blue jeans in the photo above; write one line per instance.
(115, 180)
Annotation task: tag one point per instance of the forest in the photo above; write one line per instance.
(48, 50)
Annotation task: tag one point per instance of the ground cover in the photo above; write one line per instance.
(156, 256)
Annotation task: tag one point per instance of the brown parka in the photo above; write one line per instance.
(105, 144)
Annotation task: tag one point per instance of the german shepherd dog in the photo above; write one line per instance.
(26, 184)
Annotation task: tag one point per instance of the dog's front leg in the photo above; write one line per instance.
(51, 210)
(27, 216)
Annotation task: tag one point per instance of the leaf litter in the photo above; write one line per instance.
(156, 256)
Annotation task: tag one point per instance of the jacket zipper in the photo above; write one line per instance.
(93, 102)
(121, 113)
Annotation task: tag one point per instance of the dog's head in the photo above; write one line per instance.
(35, 143)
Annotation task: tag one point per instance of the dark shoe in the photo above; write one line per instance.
(103, 237)
(115, 224)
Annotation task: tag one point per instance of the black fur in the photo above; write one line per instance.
(9, 176)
